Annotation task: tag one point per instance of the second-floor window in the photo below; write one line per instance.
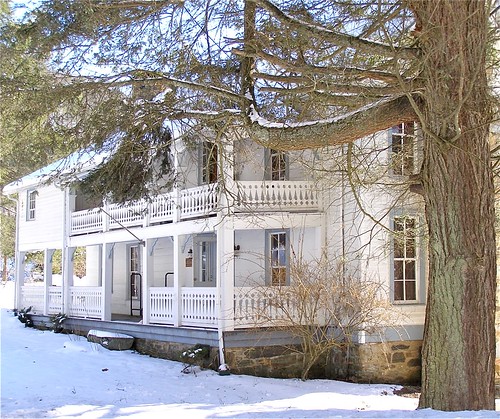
(276, 165)
(209, 163)
(403, 149)
(31, 205)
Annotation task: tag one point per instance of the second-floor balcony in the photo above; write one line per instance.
(179, 205)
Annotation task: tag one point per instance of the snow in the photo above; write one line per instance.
(104, 334)
(49, 375)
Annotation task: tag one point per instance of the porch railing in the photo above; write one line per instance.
(253, 307)
(55, 300)
(162, 305)
(200, 201)
(198, 306)
(33, 296)
(85, 302)
(263, 306)
(277, 195)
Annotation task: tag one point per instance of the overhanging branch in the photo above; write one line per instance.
(336, 131)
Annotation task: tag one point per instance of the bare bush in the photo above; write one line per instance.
(325, 307)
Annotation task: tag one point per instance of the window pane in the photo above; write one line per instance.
(398, 291)
(409, 128)
(398, 129)
(410, 289)
(278, 276)
(398, 270)
(410, 269)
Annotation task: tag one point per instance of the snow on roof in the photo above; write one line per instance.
(72, 167)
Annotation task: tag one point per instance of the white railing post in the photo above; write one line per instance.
(105, 216)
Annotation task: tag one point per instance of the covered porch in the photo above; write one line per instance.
(194, 306)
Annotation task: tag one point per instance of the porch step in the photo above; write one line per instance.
(111, 340)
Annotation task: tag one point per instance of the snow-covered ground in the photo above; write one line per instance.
(44, 374)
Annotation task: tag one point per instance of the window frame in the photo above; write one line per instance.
(282, 173)
(211, 265)
(418, 260)
(31, 196)
(209, 163)
(269, 257)
(403, 153)
(131, 265)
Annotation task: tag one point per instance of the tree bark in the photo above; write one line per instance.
(458, 355)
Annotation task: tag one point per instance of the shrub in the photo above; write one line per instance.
(24, 316)
(56, 321)
(195, 355)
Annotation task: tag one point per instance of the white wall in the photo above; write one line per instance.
(47, 227)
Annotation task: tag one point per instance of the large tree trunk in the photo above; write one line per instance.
(459, 339)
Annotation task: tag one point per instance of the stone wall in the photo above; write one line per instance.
(265, 361)
(172, 351)
(389, 362)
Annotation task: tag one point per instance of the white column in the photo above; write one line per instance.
(225, 281)
(178, 259)
(106, 261)
(147, 278)
(20, 264)
(67, 278)
(225, 248)
(47, 278)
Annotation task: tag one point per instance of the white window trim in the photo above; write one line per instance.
(31, 211)
(269, 234)
(204, 172)
(268, 156)
(197, 243)
(414, 150)
(139, 261)
(420, 261)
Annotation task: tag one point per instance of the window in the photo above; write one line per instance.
(31, 205)
(135, 272)
(278, 258)
(277, 165)
(209, 168)
(405, 259)
(206, 260)
(403, 143)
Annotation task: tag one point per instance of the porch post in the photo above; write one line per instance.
(20, 265)
(225, 274)
(106, 261)
(67, 278)
(177, 315)
(147, 278)
(225, 249)
(47, 278)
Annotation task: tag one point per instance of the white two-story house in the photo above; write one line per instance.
(183, 268)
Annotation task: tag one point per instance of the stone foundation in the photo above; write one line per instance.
(392, 362)
(172, 351)
(389, 362)
(264, 361)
